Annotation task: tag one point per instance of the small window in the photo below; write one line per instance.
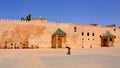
(82, 33)
(88, 34)
(110, 39)
(114, 29)
(75, 29)
(88, 39)
(93, 34)
(105, 39)
(82, 38)
(11, 44)
(93, 39)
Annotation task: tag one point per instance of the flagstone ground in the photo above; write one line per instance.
(57, 58)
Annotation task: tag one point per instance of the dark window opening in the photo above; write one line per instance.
(82, 38)
(105, 39)
(114, 29)
(82, 34)
(88, 39)
(110, 39)
(93, 34)
(88, 34)
(93, 39)
(75, 29)
(11, 44)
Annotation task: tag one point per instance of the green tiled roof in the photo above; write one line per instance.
(59, 31)
(107, 34)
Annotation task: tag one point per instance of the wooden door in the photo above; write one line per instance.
(59, 42)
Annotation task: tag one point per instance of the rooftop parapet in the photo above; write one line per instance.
(112, 25)
(93, 24)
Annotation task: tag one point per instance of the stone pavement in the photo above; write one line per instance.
(57, 58)
(22, 62)
(84, 61)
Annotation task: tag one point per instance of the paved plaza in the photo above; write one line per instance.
(57, 58)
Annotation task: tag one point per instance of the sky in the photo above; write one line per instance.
(102, 12)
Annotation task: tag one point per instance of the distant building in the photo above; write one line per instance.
(39, 33)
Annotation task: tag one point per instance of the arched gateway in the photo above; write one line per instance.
(58, 38)
(107, 39)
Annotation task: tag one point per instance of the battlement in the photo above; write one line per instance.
(45, 21)
(34, 20)
(9, 20)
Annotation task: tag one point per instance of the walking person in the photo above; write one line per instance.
(69, 48)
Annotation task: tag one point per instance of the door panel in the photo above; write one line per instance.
(59, 42)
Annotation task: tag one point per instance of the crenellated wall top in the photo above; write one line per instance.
(32, 21)
(13, 21)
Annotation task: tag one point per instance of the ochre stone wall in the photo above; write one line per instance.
(39, 33)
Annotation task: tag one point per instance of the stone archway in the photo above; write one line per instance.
(58, 38)
(107, 39)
